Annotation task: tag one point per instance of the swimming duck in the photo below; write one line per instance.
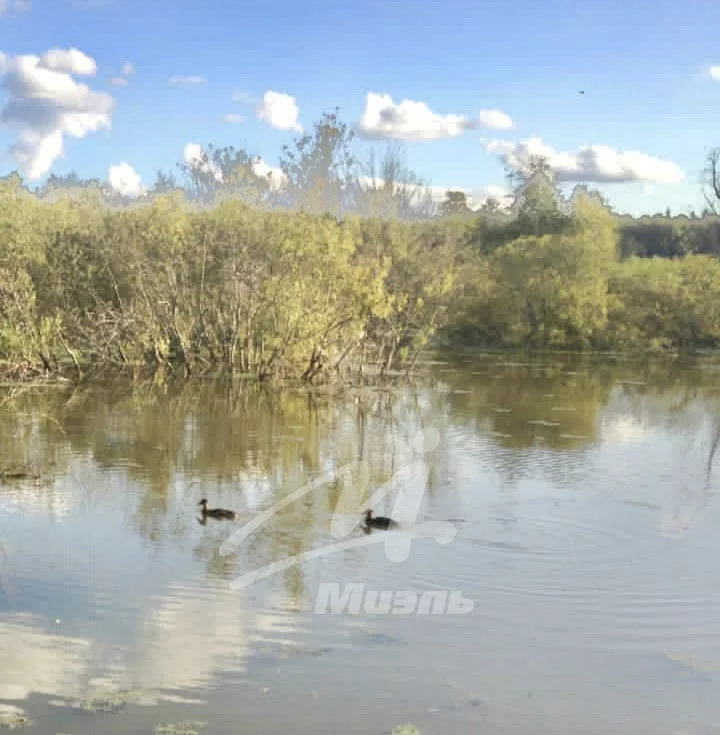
(378, 521)
(216, 512)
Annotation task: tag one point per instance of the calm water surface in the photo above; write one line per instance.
(584, 494)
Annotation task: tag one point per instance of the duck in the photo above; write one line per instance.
(216, 512)
(378, 521)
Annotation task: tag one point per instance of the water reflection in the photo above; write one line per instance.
(583, 491)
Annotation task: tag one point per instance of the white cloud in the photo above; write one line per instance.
(279, 110)
(233, 117)
(118, 82)
(193, 157)
(496, 119)
(70, 61)
(594, 163)
(276, 175)
(45, 103)
(714, 72)
(186, 80)
(127, 69)
(123, 179)
(412, 120)
(14, 6)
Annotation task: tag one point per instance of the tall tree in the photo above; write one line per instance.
(455, 203)
(537, 199)
(711, 185)
(319, 167)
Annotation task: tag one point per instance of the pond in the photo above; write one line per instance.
(576, 520)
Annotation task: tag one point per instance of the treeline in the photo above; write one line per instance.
(234, 288)
(208, 277)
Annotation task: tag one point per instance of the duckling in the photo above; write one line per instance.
(378, 521)
(216, 512)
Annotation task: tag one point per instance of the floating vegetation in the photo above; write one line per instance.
(112, 702)
(180, 728)
(407, 729)
(18, 473)
(13, 718)
(691, 663)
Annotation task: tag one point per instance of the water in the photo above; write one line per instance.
(588, 536)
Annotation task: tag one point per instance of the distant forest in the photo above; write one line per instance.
(329, 269)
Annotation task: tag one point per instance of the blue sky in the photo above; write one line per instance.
(644, 68)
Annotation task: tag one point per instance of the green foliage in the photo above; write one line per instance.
(454, 204)
(172, 286)
(666, 304)
(219, 172)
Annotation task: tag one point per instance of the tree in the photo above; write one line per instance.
(319, 167)
(711, 187)
(490, 207)
(164, 183)
(224, 172)
(553, 288)
(537, 200)
(392, 190)
(455, 203)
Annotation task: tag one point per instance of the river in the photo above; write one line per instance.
(578, 498)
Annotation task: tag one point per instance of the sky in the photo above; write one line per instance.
(620, 95)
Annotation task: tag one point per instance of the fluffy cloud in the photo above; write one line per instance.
(496, 119)
(411, 120)
(233, 117)
(45, 103)
(125, 180)
(279, 110)
(14, 6)
(595, 163)
(714, 72)
(70, 61)
(118, 82)
(127, 69)
(186, 80)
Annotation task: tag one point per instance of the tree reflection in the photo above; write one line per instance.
(248, 445)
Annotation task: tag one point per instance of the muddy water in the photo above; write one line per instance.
(583, 501)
